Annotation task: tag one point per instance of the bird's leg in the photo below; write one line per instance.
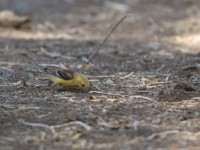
(51, 84)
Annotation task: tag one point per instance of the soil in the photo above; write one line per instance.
(144, 82)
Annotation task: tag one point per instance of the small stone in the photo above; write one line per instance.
(156, 120)
(10, 19)
(109, 82)
(142, 87)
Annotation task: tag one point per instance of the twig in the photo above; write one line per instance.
(11, 63)
(146, 91)
(55, 54)
(159, 69)
(158, 83)
(107, 36)
(49, 54)
(53, 127)
(154, 135)
(36, 124)
(127, 76)
(85, 126)
(12, 84)
(108, 76)
(144, 97)
(6, 68)
(136, 125)
(8, 138)
(111, 94)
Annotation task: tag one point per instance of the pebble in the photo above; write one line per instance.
(109, 82)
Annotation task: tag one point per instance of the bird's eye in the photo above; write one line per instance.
(83, 85)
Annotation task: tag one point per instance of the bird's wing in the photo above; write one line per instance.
(64, 74)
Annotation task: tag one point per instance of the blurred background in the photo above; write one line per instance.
(176, 22)
(145, 80)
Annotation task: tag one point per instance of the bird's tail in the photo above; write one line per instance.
(39, 68)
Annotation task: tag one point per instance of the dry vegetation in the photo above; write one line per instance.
(145, 80)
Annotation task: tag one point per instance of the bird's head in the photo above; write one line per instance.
(81, 80)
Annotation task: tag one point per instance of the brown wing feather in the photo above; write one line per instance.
(64, 74)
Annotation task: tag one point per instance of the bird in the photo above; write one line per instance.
(65, 78)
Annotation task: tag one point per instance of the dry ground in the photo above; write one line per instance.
(145, 80)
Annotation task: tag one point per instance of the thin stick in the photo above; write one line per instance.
(110, 94)
(12, 84)
(101, 44)
(144, 97)
(9, 139)
(154, 135)
(127, 76)
(85, 126)
(53, 127)
(108, 76)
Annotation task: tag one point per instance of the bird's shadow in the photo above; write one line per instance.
(73, 90)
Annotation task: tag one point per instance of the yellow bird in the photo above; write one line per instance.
(66, 78)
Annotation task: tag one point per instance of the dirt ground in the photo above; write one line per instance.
(144, 82)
